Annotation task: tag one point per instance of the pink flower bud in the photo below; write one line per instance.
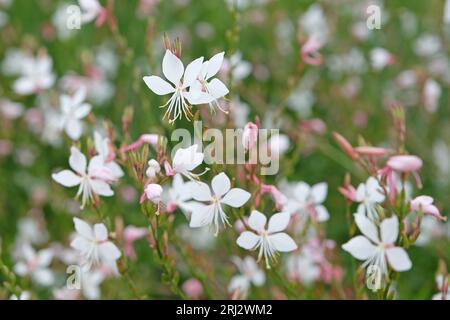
(153, 192)
(280, 199)
(149, 138)
(130, 235)
(250, 136)
(371, 151)
(193, 288)
(310, 52)
(349, 192)
(425, 204)
(153, 168)
(405, 163)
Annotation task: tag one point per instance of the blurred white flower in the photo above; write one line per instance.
(314, 23)
(93, 245)
(442, 283)
(249, 273)
(380, 58)
(305, 200)
(73, 109)
(374, 251)
(35, 75)
(153, 168)
(427, 45)
(369, 194)
(24, 295)
(269, 240)
(94, 181)
(36, 265)
(173, 70)
(303, 267)
(212, 213)
(102, 146)
(431, 94)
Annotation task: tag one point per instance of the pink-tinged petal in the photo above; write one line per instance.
(83, 228)
(398, 259)
(192, 72)
(202, 215)
(77, 161)
(74, 129)
(217, 88)
(236, 198)
(257, 221)
(115, 169)
(159, 86)
(79, 96)
(282, 242)
(405, 163)
(359, 247)
(108, 251)
(201, 192)
(367, 227)
(389, 230)
(101, 188)
(100, 232)
(319, 192)
(82, 111)
(247, 240)
(172, 68)
(278, 222)
(220, 184)
(67, 178)
(214, 65)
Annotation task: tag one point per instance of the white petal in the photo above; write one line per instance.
(24, 86)
(389, 230)
(361, 192)
(101, 188)
(367, 227)
(247, 240)
(66, 178)
(201, 192)
(82, 111)
(322, 213)
(108, 251)
(44, 257)
(359, 247)
(236, 197)
(282, 242)
(278, 222)
(257, 221)
(159, 86)
(172, 68)
(192, 72)
(319, 192)
(214, 65)
(77, 161)
(74, 128)
(43, 277)
(201, 216)
(220, 184)
(217, 88)
(100, 232)
(115, 169)
(398, 259)
(83, 228)
(81, 244)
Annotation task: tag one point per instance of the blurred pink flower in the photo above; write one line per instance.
(250, 136)
(153, 193)
(193, 288)
(310, 52)
(130, 235)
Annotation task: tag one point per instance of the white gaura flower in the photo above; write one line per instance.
(91, 9)
(269, 240)
(94, 181)
(369, 194)
(306, 200)
(374, 251)
(36, 265)
(36, 75)
(102, 146)
(250, 273)
(187, 159)
(206, 90)
(178, 194)
(93, 245)
(73, 109)
(173, 70)
(212, 213)
(303, 268)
